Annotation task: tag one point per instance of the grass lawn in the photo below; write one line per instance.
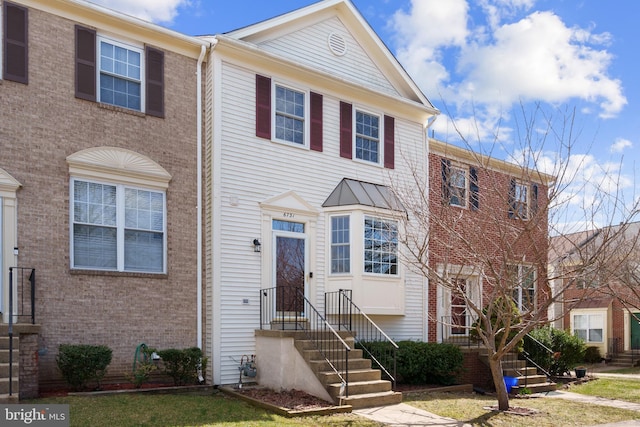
(611, 388)
(470, 408)
(184, 410)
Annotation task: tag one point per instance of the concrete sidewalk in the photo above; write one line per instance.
(403, 415)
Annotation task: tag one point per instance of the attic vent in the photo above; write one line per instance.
(337, 44)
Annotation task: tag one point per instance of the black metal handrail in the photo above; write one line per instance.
(288, 308)
(17, 280)
(342, 312)
(463, 324)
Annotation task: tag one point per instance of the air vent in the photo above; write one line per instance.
(337, 44)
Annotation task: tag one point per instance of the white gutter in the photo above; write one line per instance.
(203, 51)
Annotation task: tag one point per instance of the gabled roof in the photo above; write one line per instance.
(351, 192)
(357, 26)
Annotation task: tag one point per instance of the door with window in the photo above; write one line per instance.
(459, 317)
(635, 331)
(289, 266)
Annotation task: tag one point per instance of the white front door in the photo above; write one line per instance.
(289, 266)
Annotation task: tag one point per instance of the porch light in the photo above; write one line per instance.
(256, 245)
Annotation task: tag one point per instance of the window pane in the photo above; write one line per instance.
(595, 335)
(380, 246)
(143, 251)
(367, 137)
(94, 247)
(120, 76)
(340, 247)
(139, 210)
(296, 227)
(290, 115)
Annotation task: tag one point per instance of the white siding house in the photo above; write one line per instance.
(297, 107)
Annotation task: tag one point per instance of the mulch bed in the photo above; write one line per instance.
(291, 399)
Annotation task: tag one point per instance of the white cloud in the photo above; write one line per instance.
(620, 144)
(158, 11)
(532, 58)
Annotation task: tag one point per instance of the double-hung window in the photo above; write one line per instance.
(522, 280)
(458, 186)
(117, 227)
(589, 327)
(289, 115)
(121, 71)
(367, 142)
(340, 245)
(380, 246)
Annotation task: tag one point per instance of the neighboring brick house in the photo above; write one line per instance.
(488, 223)
(597, 270)
(98, 183)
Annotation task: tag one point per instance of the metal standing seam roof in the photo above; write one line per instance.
(353, 192)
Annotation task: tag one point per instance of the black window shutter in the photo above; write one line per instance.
(346, 130)
(154, 103)
(85, 63)
(534, 199)
(474, 189)
(263, 107)
(15, 58)
(512, 198)
(389, 142)
(316, 121)
(446, 173)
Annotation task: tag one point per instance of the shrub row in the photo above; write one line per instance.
(420, 362)
(80, 363)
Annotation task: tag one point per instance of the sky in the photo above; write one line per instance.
(499, 71)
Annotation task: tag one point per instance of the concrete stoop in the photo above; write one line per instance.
(365, 388)
(624, 360)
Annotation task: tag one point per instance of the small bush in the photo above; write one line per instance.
(428, 363)
(183, 365)
(568, 350)
(143, 366)
(592, 355)
(82, 363)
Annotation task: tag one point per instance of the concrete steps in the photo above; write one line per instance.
(528, 377)
(625, 360)
(4, 370)
(365, 388)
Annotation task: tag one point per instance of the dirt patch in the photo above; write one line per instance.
(291, 399)
(61, 392)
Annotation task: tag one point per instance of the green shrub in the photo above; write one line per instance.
(567, 350)
(143, 365)
(81, 363)
(428, 363)
(592, 355)
(183, 365)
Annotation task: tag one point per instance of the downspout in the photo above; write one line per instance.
(203, 51)
(425, 289)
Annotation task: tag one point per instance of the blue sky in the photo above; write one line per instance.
(483, 62)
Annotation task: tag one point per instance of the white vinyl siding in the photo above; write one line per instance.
(309, 46)
(276, 169)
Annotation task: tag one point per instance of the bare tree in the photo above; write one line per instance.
(479, 229)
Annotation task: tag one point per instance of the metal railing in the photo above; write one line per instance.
(456, 330)
(340, 310)
(287, 308)
(614, 347)
(24, 281)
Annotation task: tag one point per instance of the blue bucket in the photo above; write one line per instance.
(510, 382)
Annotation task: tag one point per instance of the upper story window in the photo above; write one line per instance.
(118, 228)
(340, 244)
(380, 246)
(289, 115)
(120, 74)
(460, 185)
(367, 141)
(522, 280)
(117, 73)
(523, 199)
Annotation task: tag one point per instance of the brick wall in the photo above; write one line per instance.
(43, 123)
(486, 237)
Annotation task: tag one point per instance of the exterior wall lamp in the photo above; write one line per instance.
(256, 245)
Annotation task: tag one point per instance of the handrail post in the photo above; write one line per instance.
(10, 331)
